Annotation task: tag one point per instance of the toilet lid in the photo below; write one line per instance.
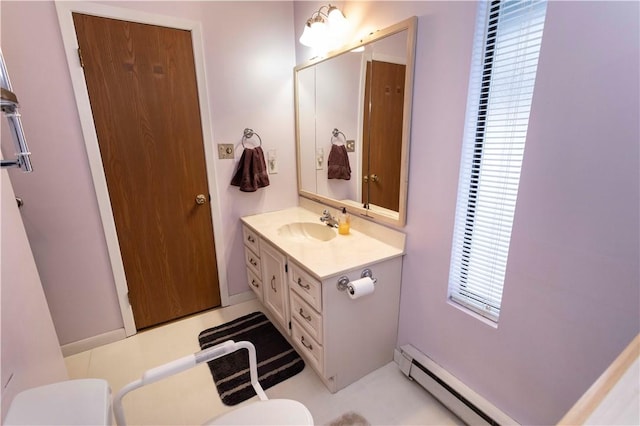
(271, 412)
(72, 402)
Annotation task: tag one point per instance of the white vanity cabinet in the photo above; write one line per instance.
(306, 315)
(341, 338)
(344, 339)
(252, 260)
(274, 279)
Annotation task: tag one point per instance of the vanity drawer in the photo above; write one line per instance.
(255, 284)
(307, 345)
(307, 287)
(251, 239)
(253, 261)
(310, 320)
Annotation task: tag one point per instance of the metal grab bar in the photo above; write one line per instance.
(182, 364)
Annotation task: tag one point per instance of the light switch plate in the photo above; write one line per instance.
(351, 146)
(272, 161)
(319, 158)
(225, 151)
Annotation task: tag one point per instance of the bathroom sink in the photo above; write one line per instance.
(307, 231)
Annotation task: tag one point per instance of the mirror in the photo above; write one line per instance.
(353, 116)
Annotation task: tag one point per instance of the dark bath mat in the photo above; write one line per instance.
(277, 360)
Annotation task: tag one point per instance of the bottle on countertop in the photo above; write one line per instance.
(344, 222)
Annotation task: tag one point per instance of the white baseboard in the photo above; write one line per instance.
(93, 342)
(241, 297)
(119, 334)
(463, 401)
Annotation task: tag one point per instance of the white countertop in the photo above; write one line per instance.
(327, 258)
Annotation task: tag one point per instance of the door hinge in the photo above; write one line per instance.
(80, 57)
(289, 325)
(286, 267)
(128, 298)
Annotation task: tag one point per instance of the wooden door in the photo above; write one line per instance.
(143, 94)
(382, 134)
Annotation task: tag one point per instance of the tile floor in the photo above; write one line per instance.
(384, 397)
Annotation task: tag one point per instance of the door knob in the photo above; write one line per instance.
(200, 199)
(374, 178)
(365, 178)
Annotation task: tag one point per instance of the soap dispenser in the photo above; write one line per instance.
(344, 222)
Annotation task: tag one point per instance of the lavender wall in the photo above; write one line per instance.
(572, 294)
(30, 352)
(571, 300)
(60, 211)
(249, 60)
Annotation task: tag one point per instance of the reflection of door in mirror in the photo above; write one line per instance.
(382, 133)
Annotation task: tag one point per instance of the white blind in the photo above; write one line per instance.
(505, 58)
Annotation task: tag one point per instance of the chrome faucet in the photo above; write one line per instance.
(328, 219)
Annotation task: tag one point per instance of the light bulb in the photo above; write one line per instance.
(318, 29)
(336, 18)
(306, 37)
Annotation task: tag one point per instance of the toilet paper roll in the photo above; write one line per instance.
(361, 287)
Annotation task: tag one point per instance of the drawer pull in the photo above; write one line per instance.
(253, 262)
(307, 317)
(255, 284)
(310, 347)
(251, 239)
(305, 286)
(273, 284)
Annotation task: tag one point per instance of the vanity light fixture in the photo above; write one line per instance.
(323, 27)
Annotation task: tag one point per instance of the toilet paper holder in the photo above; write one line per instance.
(343, 281)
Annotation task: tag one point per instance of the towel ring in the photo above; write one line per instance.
(248, 134)
(335, 133)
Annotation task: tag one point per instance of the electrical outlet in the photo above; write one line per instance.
(225, 151)
(272, 162)
(351, 145)
(319, 158)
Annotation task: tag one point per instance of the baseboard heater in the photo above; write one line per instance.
(470, 407)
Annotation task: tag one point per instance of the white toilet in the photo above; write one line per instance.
(285, 412)
(73, 402)
(88, 401)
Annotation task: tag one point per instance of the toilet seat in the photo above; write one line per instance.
(270, 412)
(72, 402)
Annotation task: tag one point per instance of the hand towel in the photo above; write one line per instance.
(251, 172)
(338, 163)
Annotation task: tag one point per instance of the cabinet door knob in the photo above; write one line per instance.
(273, 284)
(255, 284)
(307, 317)
(310, 347)
(305, 286)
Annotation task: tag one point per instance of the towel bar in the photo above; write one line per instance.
(335, 133)
(248, 134)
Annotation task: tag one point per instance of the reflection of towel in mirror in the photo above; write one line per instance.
(338, 163)
(251, 173)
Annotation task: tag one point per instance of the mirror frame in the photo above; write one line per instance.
(377, 215)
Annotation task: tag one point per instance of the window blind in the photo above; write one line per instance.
(504, 62)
